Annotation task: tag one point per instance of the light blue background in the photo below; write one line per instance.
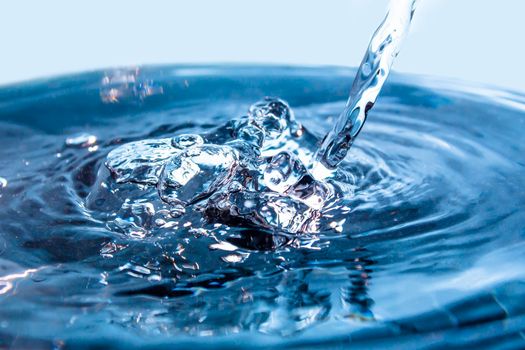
(476, 40)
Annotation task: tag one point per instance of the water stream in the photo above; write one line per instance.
(370, 78)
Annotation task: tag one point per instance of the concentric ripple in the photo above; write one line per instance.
(425, 248)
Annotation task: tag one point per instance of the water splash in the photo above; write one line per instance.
(371, 75)
(261, 174)
(251, 172)
(254, 171)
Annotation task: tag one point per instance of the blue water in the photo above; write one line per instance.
(429, 251)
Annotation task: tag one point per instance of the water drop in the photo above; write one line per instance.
(186, 140)
(272, 115)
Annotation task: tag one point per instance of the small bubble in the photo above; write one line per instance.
(297, 130)
(366, 69)
(186, 140)
(3, 182)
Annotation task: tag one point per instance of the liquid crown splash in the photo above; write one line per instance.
(371, 75)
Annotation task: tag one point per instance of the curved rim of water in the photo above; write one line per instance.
(440, 83)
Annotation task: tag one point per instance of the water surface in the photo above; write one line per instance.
(429, 251)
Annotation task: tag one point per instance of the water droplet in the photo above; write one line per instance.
(186, 140)
(272, 115)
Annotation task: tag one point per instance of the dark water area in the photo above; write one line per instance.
(429, 252)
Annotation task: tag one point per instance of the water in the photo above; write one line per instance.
(262, 170)
(371, 75)
(425, 249)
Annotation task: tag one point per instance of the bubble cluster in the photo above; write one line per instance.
(255, 177)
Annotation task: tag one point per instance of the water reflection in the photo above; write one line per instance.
(278, 301)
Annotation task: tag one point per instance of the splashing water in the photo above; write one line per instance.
(137, 213)
(255, 170)
(248, 172)
(134, 239)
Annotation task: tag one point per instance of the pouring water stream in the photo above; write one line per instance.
(371, 75)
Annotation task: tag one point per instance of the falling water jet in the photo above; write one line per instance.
(371, 75)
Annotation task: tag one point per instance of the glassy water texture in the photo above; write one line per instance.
(420, 243)
(262, 170)
(371, 75)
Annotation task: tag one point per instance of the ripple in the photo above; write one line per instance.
(426, 241)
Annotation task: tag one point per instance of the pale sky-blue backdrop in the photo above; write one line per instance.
(475, 40)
